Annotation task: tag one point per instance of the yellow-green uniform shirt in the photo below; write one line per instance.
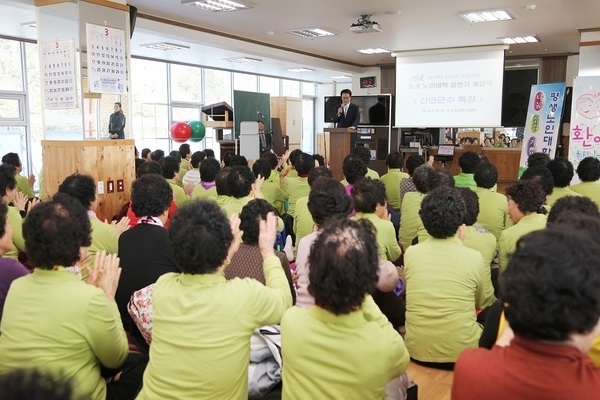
(274, 177)
(295, 188)
(234, 206)
(372, 174)
(509, 238)
(200, 193)
(557, 193)
(201, 332)
(588, 189)
(180, 197)
(445, 283)
(493, 211)
(392, 180)
(56, 323)
(465, 180)
(272, 193)
(387, 246)
(183, 168)
(409, 217)
(104, 237)
(351, 356)
(484, 243)
(303, 222)
(16, 222)
(23, 186)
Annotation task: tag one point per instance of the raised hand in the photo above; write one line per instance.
(267, 234)
(106, 274)
(121, 226)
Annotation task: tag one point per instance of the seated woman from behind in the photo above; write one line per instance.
(343, 347)
(202, 322)
(552, 303)
(247, 262)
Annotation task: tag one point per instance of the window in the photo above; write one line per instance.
(186, 83)
(269, 85)
(290, 88)
(244, 82)
(11, 73)
(217, 86)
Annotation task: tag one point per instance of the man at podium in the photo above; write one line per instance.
(265, 140)
(347, 115)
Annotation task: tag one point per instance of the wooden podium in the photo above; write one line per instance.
(337, 147)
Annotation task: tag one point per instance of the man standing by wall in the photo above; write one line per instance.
(116, 123)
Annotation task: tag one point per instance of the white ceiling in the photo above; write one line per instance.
(423, 24)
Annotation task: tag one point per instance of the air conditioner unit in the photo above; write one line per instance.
(365, 28)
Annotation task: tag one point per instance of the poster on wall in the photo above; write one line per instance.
(543, 121)
(58, 72)
(106, 60)
(585, 120)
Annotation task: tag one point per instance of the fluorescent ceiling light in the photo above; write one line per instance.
(216, 5)
(378, 50)
(243, 60)
(310, 33)
(164, 46)
(520, 39)
(302, 69)
(474, 17)
(340, 77)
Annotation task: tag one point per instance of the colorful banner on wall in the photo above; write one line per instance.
(58, 74)
(106, 61)
(585, 120)
(543, 121)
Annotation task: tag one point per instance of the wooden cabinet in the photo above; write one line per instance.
(289, 111)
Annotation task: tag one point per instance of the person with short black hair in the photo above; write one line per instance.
(105, 237)
(170, 171)
(193, 174)
(369, 201)
(227, 158)
(157, 155)
(364, 154)
(209, 153)
(203, 241)
(562, 174)
(493, 210)
(58, 323)
(409, 211)
(525, 198)
(537, 159)
(270, 188)
(541, 175)
(483, 242)
(8, 191)
(24, 185)
(320, 160)
(407, 185)
(392, 179)
(588, 171)
(240, 183)
(146, 154)
(467, 161)
(209, 168)
(573, 205)
(297, 187)
(445, 282)
(354, 169)
(247, 262)
(221, 186)
(551, 301)
(143, 249)
(303, 223)
(343, 271)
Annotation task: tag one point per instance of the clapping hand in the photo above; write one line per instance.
(267, 235)
(105, 274)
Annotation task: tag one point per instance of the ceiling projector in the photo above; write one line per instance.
(365, 25)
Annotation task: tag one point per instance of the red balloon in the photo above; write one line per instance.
(180, 132)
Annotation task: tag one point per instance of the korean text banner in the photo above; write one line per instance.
(543, 121)
(585, 120)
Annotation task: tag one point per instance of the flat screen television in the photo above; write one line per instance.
(374, 109)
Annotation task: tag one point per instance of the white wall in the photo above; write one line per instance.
(323, 89)
(572, 68)
(373, 71)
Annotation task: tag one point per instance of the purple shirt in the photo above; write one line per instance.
(9, 271)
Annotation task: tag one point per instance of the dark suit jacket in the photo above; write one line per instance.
(352, 117)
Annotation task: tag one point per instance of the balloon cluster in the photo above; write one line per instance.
(193, 131)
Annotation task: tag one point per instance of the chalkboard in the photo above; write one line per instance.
(247, 106)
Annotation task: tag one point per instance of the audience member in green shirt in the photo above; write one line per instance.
(543, 176)
(588, 172)
(364, 154)
(303, 223)
(343, 347)
(203, 322)
(467, 161)
(185, 153)
(170, 171)
(297, 187)
(493, 210)
(209, 168)
(24, 185)
(8, 191)
(270, 189)
(562, 174)
(392, 179)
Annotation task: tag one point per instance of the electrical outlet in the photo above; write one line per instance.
(110, 186)
(100, 187)
(120, 185)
